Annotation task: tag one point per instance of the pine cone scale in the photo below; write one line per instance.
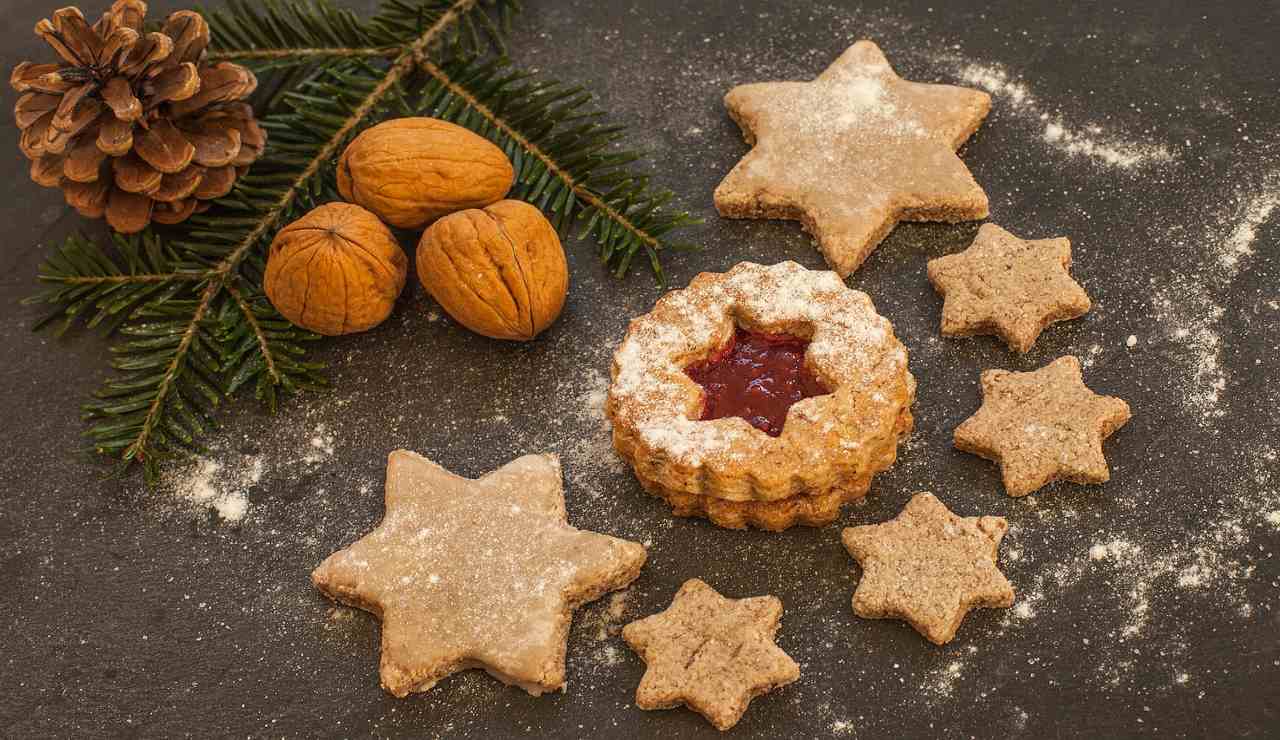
(47, 170)
(136, 176)
(116, 137)
(179, 186)
(217, 182)
(89, 198)
(28, 77)
(32, 141)
(69, 24)
(165, 148)
(32, 106)
(84, 162)
(178, 83)
(128, 213)
(119, 43)
(119, 97)
(215, 147)
(135, 126)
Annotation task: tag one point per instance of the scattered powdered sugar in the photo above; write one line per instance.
(321, 446)
(1251, 213)
(206, 484)
(609, 619)
(1187, 306)
(1089, 141)
(941, 682)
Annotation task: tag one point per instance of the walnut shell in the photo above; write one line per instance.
(336, 270)
(411, 171)
(499, 271)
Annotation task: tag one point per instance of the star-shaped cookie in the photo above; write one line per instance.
(475, 573)
(853, 152)
(929, 567)
(710, 653)
(1007, 286)
(1042, 426)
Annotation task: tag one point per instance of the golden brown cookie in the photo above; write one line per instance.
(929, 567)
(807, 509)
(475, 573)
(1042, 426)
(853, 152)
(830, 446)
(712, 654)
(1007, 286)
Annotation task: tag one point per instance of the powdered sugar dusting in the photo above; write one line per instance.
(1187, 306)
(207, 484)
(657, 399)
(1089, 141)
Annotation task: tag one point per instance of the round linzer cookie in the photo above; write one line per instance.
(763, 396)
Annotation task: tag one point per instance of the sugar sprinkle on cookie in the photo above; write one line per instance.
(476, 573)
(853, 152)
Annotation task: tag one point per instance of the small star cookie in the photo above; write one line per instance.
(1042, 426)
(929, 567)
(1007, 286)
(710, 653)
(475, 573)
(853, 152)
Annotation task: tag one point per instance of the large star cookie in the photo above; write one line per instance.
(1007, 286)
(852, 153)
(929, 567)
(1042, 426)
(710, 653)
(475, 573)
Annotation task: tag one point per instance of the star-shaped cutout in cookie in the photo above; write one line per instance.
(929, 567)
(853, 152)
(475, 573)
(710, 653)
(1007, 286)
(1042, 426)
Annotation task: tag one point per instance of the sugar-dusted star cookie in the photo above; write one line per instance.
(1042, 426)
(475, 573)
(1006, 286)
(929, 567)
(853, 152)
(710, 653)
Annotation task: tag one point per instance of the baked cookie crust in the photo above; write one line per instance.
(726, 470)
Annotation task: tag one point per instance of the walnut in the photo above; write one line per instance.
(499, 271)
(411, 171)
(336, 270)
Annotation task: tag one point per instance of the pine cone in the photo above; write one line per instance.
(135, 125)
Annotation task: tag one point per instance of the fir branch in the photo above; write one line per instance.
(194, 322)
(192, 333)
(259, 336)
(138, 448)
(298, 32)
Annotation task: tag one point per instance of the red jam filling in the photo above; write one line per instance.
(757, 377)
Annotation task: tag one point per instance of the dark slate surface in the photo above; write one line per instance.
(128, 612)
